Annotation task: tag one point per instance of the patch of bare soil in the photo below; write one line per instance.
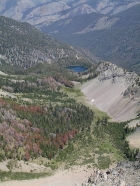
(60, 178)
(2, 73)
(134, 138)
(21, 166)
(134, 123)
(4, 93)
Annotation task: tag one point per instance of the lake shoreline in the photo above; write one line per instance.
(77, 68)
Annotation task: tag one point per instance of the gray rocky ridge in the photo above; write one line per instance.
(131, 79)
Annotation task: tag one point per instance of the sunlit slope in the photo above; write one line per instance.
(111, 92)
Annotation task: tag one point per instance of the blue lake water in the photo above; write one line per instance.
(77, 68)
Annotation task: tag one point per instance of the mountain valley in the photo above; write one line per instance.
(37, 112)
(23, 46)
(113, 38)
(108, 30)
(64, 128)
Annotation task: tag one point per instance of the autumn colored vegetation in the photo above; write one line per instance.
(32, 131)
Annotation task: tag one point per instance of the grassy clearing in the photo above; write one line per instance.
(76, 93)
(6, 176)
(73, 92)
(103, 162)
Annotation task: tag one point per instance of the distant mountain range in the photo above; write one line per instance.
(45, 12)
(113, 38)
(109, 29)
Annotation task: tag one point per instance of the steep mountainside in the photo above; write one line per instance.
(125, 173)
(108, 29)
(43, 120)
(114, 91)
(23, 46)
(112, 38)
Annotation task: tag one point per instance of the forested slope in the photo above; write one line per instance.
(23, 46)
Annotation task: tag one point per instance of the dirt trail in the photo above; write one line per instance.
(61, 178)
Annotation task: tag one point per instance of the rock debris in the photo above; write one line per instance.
(124, 174)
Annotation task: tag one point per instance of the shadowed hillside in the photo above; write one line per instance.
(111, 38)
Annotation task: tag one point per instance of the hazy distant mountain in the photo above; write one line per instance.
(113, 38)
(47, 11)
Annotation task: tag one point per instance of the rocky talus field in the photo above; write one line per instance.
(124, 174)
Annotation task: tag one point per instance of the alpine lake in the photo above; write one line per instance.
(77, 68)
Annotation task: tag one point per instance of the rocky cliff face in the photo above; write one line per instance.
(114, 73)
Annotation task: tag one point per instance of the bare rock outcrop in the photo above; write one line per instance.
(131, 80)
(8, 89)
(124, 174)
